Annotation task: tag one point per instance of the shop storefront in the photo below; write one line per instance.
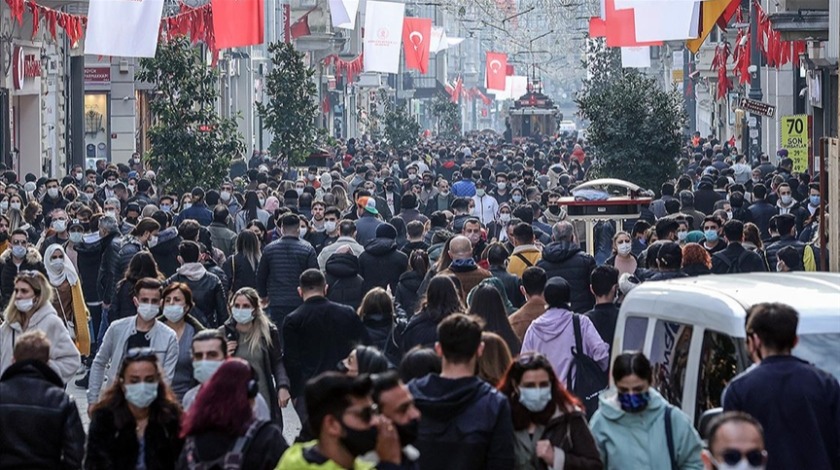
(25, 119)
(97, 113)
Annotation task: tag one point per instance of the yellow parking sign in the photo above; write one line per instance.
(796, 139)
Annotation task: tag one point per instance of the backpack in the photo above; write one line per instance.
(732, 268)
(585, 378)
(232, 459)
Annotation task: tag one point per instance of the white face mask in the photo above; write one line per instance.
(52, 192)
(203, 370)
(24, 305)
(302, 233)
(329, 226)
(57, 264)
(504, 218)
(225, 195)
(681, 236)
(624, 248)
(148, 311)
(174, 313)
(14, 205)
(59, 225)
(742, 465)
(243, 316)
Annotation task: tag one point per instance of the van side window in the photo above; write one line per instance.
(669, 357)
(634, 333)
(721, 358)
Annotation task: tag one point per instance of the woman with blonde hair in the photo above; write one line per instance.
(68, 300)
(342, 202)
(30, 308)
(494, 362)
(253, 337)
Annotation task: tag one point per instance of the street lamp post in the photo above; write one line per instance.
(755, 82)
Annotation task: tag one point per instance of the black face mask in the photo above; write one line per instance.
(408, 432)
(4, 236)
(554, 210)
(358, 442)
(341, 367)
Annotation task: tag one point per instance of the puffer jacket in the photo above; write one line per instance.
(568, 261)
(381, 264)
(48, 432)
(420, 331)
(89, 260)
(166, 251)
(342, 273)
(385, 333)
(638, 440)
(772, 250)
(128, 247)
(283, 262)
(8, 271)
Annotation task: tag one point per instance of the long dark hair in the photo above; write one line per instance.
(163, 410)
(487, 304)
(248, 245)
(142, 265)
(252, 203)
(561, 397)
(441, 299)
(222, 404)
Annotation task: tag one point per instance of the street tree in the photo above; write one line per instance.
(191, 145)
(401, 129)
(291, 110)
(635, 126)
(449, 117)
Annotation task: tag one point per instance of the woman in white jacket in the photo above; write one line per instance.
(31, 309)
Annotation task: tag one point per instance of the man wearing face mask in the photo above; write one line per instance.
(20, 257)
(209, 351)
(736, 442)
(137, 331)
(712, 241)
(396, 403)
(59, 226)
(795, 402)
(486, 206)
(53, 199)
(428, 192)
(344, 419)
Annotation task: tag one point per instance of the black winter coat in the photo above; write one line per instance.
(111, 447)
(773, 249)
(8, 271)
(568, 261)
(239, 273)
(317, 335)
(40, 423)
(705, 199)
(346, 286)
(511, 283)
(386, 334)
(122, 303)
(283, 262)
(106, 283)
(761, 212)
(209, 297)
(166, 251)
(406, 293)
(89, 256)
(735, 253)
(382, 264)
(420, 331)
(263, 451)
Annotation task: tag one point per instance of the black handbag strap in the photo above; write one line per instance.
(669, 435)
(578, 334)
(524, 260)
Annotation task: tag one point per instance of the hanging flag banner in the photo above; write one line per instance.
(135, 34)
(683, 19)
(496, 70)
(711, 12)
(438, 40)
(238, 23)
(343, 13)
(621, 27)
(383, 36)
(417, 36)
(635, 57)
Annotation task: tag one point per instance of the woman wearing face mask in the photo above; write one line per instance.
(222, 415)
(497, 229)
(178, 314)
(136, 423)
(549, 426)
(30, 308)
(636, 414)
(623, 258)
(516, 197)
(251, 336)
(68, 300)
(241, 268)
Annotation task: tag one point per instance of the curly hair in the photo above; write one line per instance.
(693, 253)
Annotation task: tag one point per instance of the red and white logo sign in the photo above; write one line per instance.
(24, 67)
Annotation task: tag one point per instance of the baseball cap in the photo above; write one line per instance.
(368, 203)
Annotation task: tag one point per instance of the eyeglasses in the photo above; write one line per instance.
(135, 354)
(18, 242)
(366, 414)
(755, 457)
(528, 358)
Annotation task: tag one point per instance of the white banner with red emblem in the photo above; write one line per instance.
(383, 36)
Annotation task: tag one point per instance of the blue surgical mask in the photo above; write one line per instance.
(711, 235)
(535, 399)
(516, 198)
(141, 394)
(203, 370)
(242, 316)
(19, 251)
(634, 402)
(165, 207)
(814, 200)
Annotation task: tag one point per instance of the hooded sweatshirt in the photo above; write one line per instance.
(553, 335)
(465, 424)
(638, 440)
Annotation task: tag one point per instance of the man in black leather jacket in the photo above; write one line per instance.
(40, 423)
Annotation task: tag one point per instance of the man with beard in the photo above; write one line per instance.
(342, 415)
(396, 403)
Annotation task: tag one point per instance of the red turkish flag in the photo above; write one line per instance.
(597, 27)
(496, 70)
(238, 23)
(621, 27)
(417, 34)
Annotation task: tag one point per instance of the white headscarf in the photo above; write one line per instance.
(59, 275)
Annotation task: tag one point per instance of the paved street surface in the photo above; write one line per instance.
(291, 423)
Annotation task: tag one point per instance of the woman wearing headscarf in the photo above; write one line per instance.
(68, 301)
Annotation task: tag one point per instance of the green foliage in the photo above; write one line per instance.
(449, 117)
(635, 127)
(191, 145)
(291, 110)
(401, 129)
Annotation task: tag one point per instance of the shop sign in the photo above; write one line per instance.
(25, 67)
(796, 138)
(98, 75)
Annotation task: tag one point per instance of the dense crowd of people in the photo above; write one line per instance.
(429, 308)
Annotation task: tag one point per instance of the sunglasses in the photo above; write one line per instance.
(366, 414)
(755, 457)
(135, 354)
